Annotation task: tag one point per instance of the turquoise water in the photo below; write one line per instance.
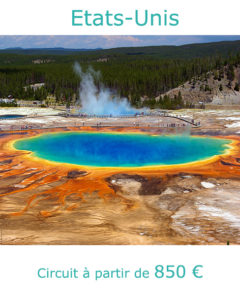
(121, 150)
(11, 116)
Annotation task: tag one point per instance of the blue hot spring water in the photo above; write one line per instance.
(121, 150)
(11, 116)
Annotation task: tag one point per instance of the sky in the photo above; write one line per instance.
(105, 41)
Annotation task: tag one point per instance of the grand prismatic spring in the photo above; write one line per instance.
(116, 186)
(121, 150)
(103, 186)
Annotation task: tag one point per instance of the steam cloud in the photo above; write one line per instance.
(100, 102)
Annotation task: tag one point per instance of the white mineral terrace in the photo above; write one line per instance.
(227, 121)
(33, 118)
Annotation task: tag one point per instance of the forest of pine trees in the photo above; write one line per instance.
(132, 76)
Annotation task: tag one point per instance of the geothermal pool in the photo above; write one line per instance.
(121, 149)
(11, 116)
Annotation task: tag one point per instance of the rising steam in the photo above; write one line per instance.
(101, 101)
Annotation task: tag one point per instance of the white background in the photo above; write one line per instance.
(51, 17)
(19, 264)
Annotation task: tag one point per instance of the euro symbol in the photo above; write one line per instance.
(196, 271)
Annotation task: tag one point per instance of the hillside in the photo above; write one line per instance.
(219, 87)
(200, 72)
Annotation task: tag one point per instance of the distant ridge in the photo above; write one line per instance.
(164, 51)
(46, 51)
